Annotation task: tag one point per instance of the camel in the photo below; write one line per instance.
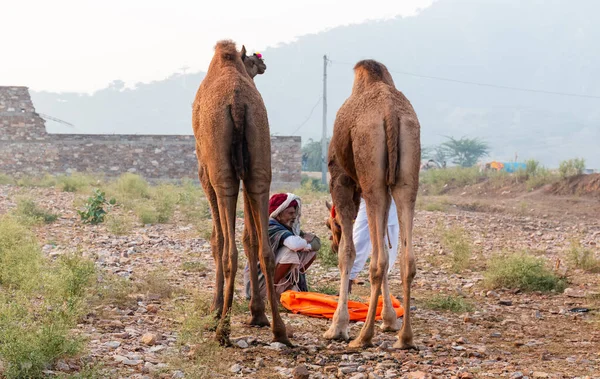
(375, 153)
(233, 144)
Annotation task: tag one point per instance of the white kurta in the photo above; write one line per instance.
(362, 238)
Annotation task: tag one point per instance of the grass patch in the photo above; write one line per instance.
(76, 182)
(521, 271)
(30, 213)
(327, 289)
(41, 301)
(194, 266)
(206, 357)
(118, 224)
(5, 179)
(448, 303)
(456, 242)
(436, 182)
(327, 257)
(581, 258)
(146, 214)
(35, 181)
(115, 290)
(156, 283)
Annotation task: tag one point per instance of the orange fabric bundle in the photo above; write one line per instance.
(323, 306)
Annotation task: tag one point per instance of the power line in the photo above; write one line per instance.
(483, 84)
(308, 118)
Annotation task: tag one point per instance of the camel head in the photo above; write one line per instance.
(254, 63)
(334, 226)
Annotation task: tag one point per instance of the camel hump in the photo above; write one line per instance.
(239, 146)
(369, 70)
(226, 50)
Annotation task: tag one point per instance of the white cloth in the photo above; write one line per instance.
(296, 243)
(362, 238)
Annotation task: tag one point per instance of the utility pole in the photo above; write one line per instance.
(324, 136)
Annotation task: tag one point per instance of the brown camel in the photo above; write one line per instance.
(374, 152)
(233, 144)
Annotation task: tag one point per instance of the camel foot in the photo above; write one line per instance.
(259, 320)
(337, 333)
(391, 327)
(223, 339)
(405, 345)
(360, 343)
(283, 338)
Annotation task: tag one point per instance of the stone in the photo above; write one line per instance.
(516, 375)
(346, 370)
(572, 292)
(277, 345)
(301, 372)
(132, 362)
(259, 363)
(152, 308)
(417, 375)
(112, 344)
(62, 366)
(178, 375)
(149, 339)
(539, 374)
(119, 358)
(157, 348)
(235, 368)
(242, 344)
(360, 375)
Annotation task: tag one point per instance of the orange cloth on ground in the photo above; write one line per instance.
(323, 306)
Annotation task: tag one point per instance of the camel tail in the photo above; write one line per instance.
(392, 137)
(239, 146)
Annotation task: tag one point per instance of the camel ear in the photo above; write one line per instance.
(328, 205)
(243, 53)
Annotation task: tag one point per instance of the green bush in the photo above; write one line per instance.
(30, 213)
(571, 167)
(582, 258)
(456, 242)
(40, 302)
(521, 271)
(93, 212)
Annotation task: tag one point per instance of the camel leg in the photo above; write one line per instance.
(227, 207)
(216, 242)
(377, 210)
(405, 197)
(343, 197)
(250, 240)
(388, 314)
(259, 202)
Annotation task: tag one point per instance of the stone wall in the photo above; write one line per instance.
(26, 148)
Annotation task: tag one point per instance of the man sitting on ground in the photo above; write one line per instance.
(294, 250)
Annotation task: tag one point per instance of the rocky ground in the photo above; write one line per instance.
(511, 334)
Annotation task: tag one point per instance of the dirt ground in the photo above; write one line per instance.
(508, 334)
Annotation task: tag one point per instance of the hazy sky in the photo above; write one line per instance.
(82, 45)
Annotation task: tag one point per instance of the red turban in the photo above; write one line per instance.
(279, 198)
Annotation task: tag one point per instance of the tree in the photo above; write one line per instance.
(465, 151)
(311, 156)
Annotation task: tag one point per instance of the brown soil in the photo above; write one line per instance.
(537, 335)
(580, 185)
